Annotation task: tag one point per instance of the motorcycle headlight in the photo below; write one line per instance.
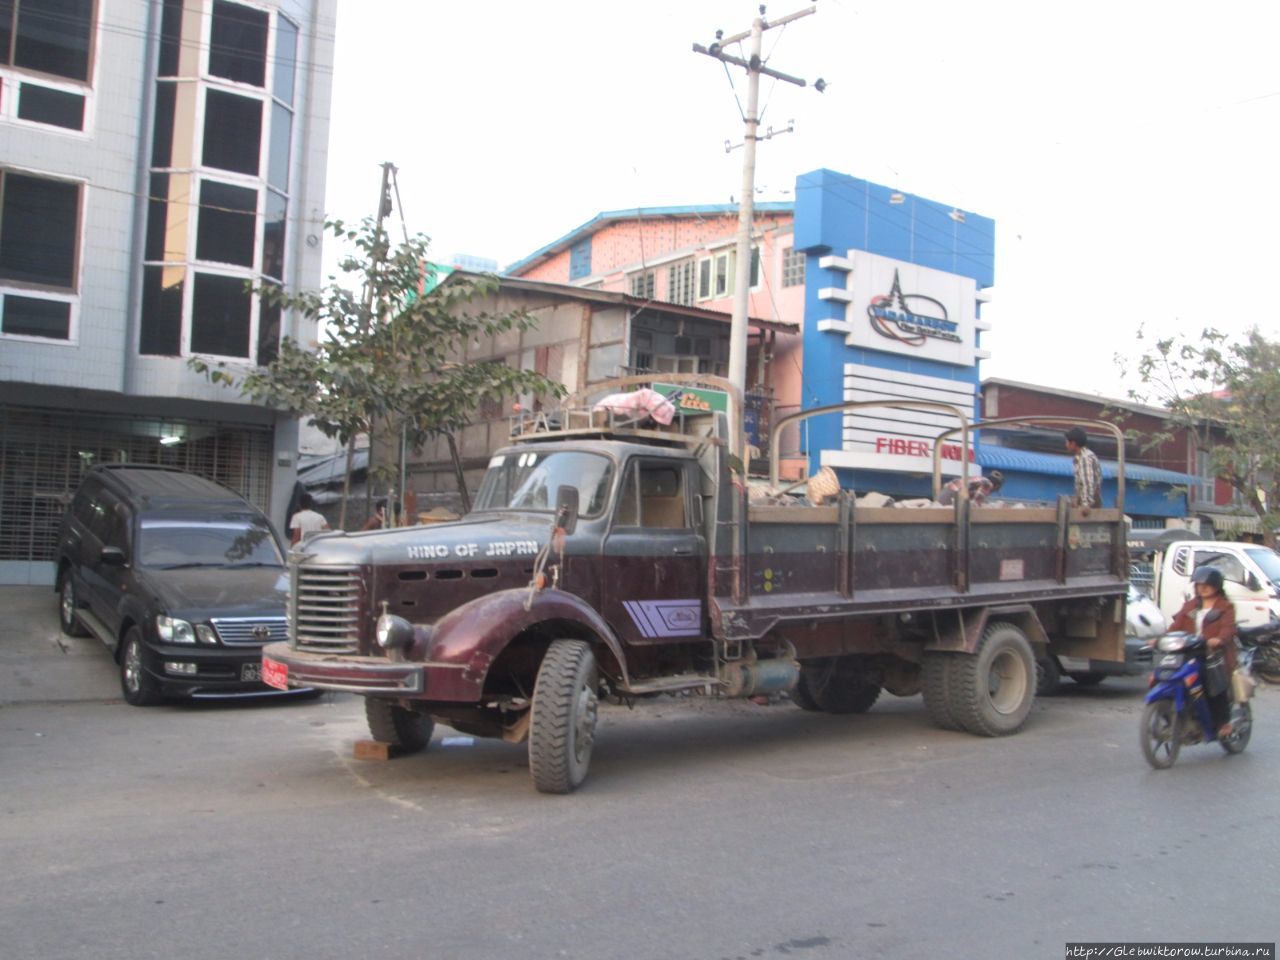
(174, 631)
(1173, 642)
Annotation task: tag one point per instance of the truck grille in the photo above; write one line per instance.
(250, 630)
(326, 609)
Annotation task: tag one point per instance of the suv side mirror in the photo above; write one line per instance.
(566, 508)
(113, 557)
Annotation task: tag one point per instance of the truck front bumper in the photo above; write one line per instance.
(282, 663)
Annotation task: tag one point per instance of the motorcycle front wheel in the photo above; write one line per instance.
(1161, 734)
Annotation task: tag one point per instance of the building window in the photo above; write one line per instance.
(1208, 479)
(48, 36)
(580, 259)
(680, 282)
(238, 43)
(162, 302)
(792, 268)
(54, 107)
(232, 132)
(54, 39)
(39, 239)
(227, 227)
(220, 316)
(642, 285)
(716, 274)
(212, 239)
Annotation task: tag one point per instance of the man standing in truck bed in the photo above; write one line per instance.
(1087, 470)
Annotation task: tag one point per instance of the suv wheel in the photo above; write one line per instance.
(67, 606)
(139, 687)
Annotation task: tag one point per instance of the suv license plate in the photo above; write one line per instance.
(251, 671)
(275, 674)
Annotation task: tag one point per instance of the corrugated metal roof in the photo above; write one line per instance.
(644, 213)
(330, 469)
(1027, 461)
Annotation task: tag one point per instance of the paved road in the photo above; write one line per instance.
(707, 830)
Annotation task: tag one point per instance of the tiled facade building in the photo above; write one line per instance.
(156, 158)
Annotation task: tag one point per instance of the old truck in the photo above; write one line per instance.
(607, 558)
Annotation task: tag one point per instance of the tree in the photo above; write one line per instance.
(387, 353)
(1232, 389)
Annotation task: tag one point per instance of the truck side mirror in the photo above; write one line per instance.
(112, 557)
(1251, 581)
(566, 508)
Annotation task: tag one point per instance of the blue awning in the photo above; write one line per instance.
(1006, 458)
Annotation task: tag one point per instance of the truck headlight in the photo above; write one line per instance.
(174, 631)
(393, 631)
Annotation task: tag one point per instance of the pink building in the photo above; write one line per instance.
(687, 256)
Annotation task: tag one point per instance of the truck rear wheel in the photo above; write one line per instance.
(936, 670)
(835, 686)
(993, 689)
(390, 723)
(562, 728)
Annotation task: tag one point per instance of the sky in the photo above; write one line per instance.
(1127, 151)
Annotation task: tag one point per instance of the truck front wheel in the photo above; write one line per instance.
(562, 728)
(994, 688)
(393, 724)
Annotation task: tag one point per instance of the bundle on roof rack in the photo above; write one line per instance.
(639, 404)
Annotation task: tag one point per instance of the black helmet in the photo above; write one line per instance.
(996, 478)
(1210, 575)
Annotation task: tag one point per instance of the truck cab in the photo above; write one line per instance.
(1251, 573)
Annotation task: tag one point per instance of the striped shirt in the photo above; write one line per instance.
(1088, 476)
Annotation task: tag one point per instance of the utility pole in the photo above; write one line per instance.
(379, 254)
(746, 202)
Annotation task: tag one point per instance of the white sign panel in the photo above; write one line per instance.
(904, 308)
(900, 439)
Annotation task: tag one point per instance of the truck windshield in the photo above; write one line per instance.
(168, 544)
(1268, 562)
(529, 480)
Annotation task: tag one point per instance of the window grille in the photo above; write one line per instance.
(44, 453)
(792, 267)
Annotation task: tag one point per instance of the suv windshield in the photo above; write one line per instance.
(167, 544)
(529, 480)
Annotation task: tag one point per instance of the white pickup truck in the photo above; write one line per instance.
(1251, 573)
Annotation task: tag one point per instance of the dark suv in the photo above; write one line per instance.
(182, 578)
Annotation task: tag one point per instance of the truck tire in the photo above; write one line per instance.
(993, 688)
(935, 671)
(68, 603)
(562, 727)
(834, 686)
(138, 686)
(407, 730)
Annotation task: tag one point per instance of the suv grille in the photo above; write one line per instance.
(326, 608)
(250, 630)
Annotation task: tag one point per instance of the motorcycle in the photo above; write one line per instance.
(1177, 703)
(1262, 646)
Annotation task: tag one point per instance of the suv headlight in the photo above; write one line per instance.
(175, 631)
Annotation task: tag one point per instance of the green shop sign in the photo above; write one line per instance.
(696, 400)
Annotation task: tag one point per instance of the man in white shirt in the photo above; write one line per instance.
(306, 521)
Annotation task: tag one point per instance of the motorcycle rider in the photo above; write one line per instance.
(1198, 616)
